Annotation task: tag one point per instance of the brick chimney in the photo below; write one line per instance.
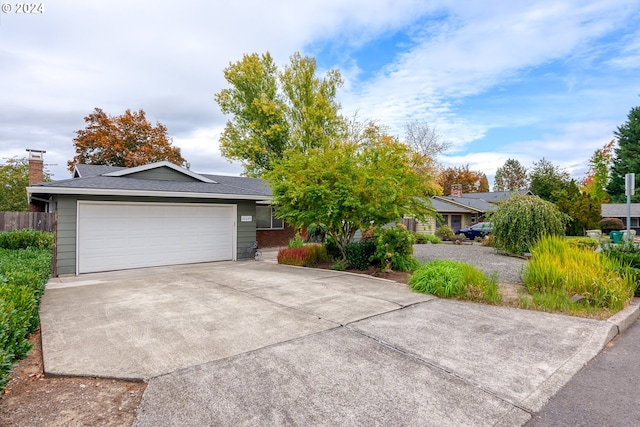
(36, 176)
(36, 166)
(456, 190)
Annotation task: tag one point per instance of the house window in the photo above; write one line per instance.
(445, 221)
(634, 221)
(266, 220)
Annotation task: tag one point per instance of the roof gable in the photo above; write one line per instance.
(160, 170)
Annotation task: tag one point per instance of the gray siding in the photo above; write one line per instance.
(164, 173)
(67, 213)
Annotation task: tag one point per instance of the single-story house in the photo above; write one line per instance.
(619, 210)
(113, 218)
(464, 210)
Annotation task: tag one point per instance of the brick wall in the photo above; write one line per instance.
(274, 238)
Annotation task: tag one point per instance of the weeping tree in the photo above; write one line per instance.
(521, 220)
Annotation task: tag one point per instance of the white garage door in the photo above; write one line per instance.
(117, 236)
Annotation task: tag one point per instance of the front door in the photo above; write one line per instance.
(456, 223)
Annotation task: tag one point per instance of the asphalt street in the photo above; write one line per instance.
(603, 393)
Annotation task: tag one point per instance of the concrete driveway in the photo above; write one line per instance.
(255, 343)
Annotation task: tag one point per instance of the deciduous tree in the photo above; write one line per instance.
(511, 176)
(14, 179)
(471, 181)
(595, 183)
(273, 112)
(347, 186)
(627, 157)
(127, 140)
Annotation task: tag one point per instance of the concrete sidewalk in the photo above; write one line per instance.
(255, 343)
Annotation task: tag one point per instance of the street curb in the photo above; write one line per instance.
(626, 317)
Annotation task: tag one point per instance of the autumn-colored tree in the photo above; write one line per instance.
(595, 183)
(471, 181)
(127, 140)
(273, 112)
(14, 179)
(511, 176)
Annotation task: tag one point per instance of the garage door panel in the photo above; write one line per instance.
(113, 236)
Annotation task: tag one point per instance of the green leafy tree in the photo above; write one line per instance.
(273, 111)
(595, 183)
(127, 140)
(347, 186)
(546, 178)
(14, 179)
(511, 176)
(521, 220)
(627, 157)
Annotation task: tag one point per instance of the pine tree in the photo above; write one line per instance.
(627, 157)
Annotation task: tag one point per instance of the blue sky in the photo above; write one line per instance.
(498, 79)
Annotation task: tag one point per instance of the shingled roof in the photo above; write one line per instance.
(100, 179)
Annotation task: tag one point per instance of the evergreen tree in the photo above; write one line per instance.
(627, 157)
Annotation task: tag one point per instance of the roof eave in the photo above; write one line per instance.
(141, 193)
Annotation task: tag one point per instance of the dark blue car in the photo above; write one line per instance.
(480, 229)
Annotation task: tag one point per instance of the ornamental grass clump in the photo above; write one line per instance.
(306, 256)
(454, 279)
(564, 277)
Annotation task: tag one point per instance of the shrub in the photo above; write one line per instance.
(315, 254)
(427, 238)
(339, 265)
(454, 279)
(489, 240)
(394, 248)
(296, 242)
(23, 274)
(560, 271)
(27, 238)
(291, 256)
(583, 242)
(444, 232)
(359, 254)
(629, 258)
(611, 224)
(521, 220)
(332, 249)
(306, 256)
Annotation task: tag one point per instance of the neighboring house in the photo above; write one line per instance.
(619, 210)
(112, 218)
(464, 210)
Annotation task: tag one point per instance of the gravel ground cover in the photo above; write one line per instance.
(508, 268)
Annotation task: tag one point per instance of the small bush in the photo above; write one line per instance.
(427, 238)
(611, 224)
(296, 242)
(583, 242)
(629, 258)
(367, 235)
(315, 254)
(394, 248)
(454, 279)
(444, 232)
(291, 256)
(306, 256)
(359, 254)
(332, 249)
(489, 240)
(339, 265)
(27, 238)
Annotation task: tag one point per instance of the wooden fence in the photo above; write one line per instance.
(41, 221)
